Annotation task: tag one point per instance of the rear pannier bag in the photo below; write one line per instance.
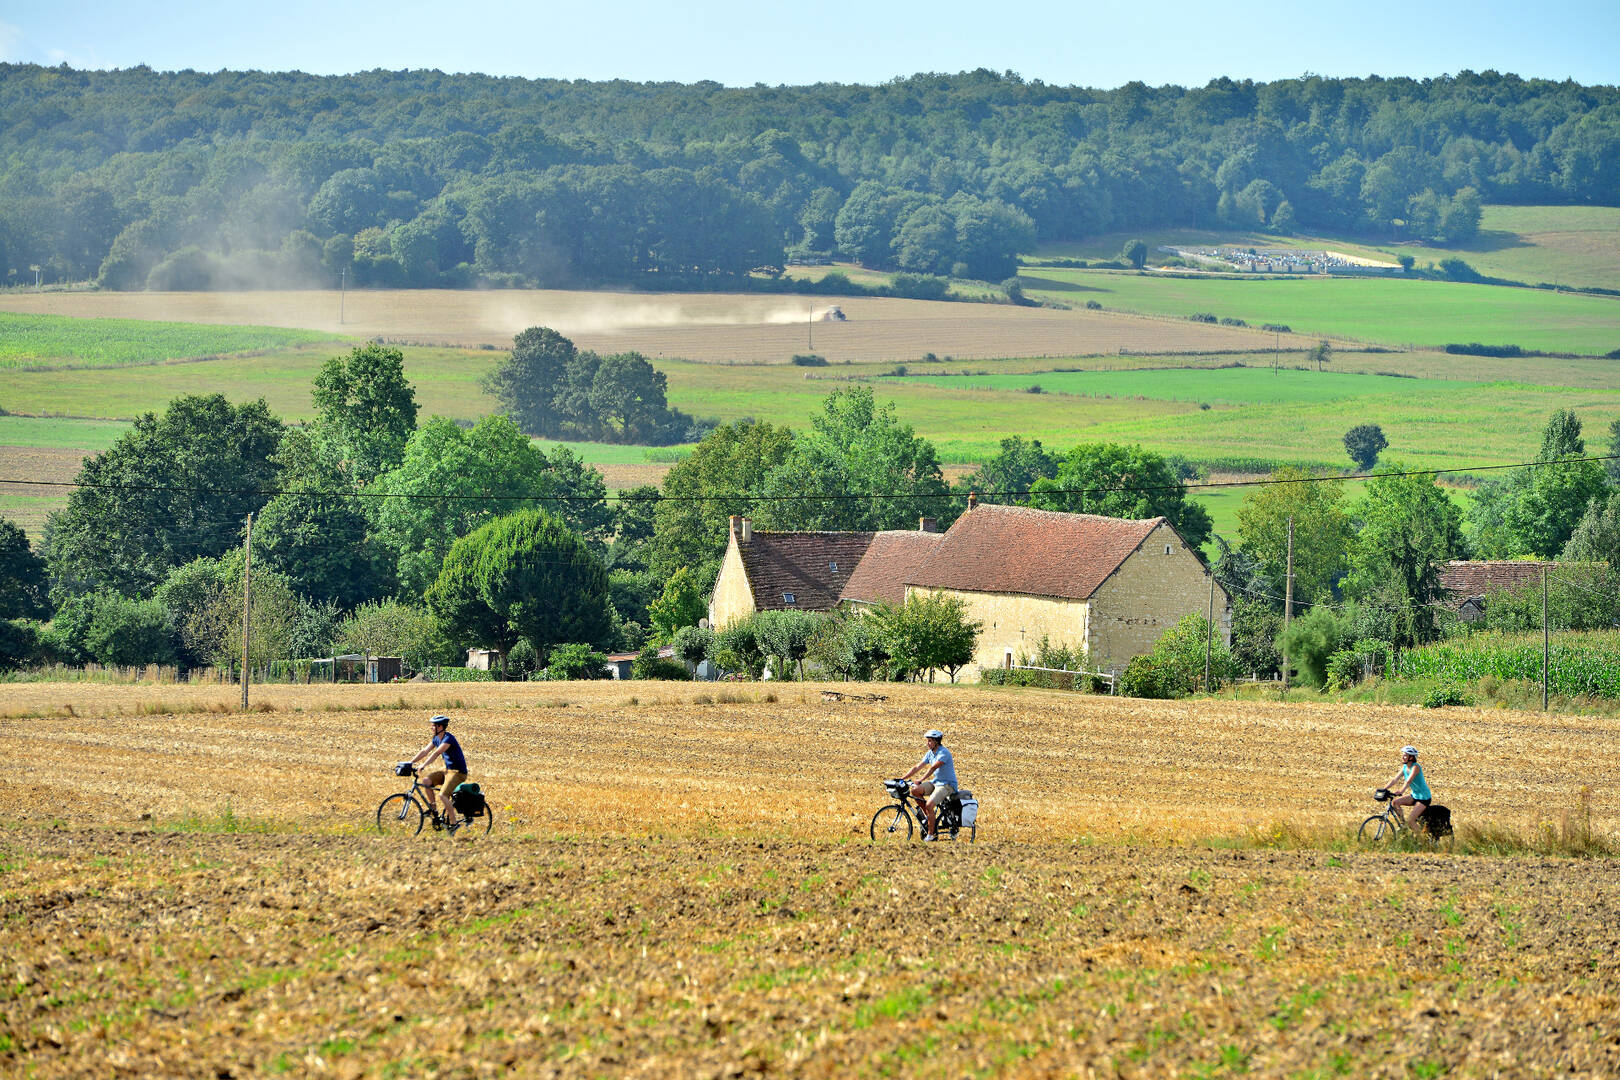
(970, 808)
(468, 799)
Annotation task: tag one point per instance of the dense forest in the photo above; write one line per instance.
(181, 180)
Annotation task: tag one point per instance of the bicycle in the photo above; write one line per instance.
(404, 813)
(1436, 822)
(888, 822)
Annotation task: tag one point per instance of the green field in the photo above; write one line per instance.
(1382, 310)
(1215, 386)
(36, 341)
(58, 433)
(1576, 246)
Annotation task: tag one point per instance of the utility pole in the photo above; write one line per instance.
(247, 607)
(1546, 643)
(343, 291)
(1288, 602)
(810, 324)
(1209, 643)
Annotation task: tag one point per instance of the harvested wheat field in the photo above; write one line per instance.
(679, 884)
(714, 327)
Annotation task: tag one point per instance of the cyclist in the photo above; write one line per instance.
(936, 781)
(1412, 782)
(454, 772)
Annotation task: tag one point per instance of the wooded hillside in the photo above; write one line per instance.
(147, 179)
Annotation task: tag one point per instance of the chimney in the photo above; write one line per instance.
(928, 525)
(973, 500)
(747, 533)
(735, 524)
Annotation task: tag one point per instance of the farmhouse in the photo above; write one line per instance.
(1108, 585)
(813, 571)
(1467, 582)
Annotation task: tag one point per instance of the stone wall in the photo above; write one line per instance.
(1014, 624)
(1147, 595)
(733, 598)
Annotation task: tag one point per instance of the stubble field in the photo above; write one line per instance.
(679, 883)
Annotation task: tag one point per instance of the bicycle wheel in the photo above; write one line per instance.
(400, 815)
(1374, 829)
(472, 828)
(891, 823)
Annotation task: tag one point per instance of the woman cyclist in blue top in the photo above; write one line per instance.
(1415, 785)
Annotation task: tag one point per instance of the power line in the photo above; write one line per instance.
(622, 497)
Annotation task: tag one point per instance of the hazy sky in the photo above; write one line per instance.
(741, 43)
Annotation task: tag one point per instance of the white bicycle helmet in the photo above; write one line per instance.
(934, 733)
(1409, 750)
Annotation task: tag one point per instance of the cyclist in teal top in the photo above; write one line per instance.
(1412, 781)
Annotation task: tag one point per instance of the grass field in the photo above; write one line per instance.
(1382, 310)
(654, 901)
(39, 341)
(1576, 246)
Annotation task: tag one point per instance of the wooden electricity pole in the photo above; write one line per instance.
(1288, 602)
(1209, 642)
(247, 607)
(1546, 645)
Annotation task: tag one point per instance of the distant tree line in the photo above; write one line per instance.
(182, 180)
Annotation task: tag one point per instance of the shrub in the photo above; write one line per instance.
(1092, 305)
(1310, 640)
(1276, 328)
(1342, 668)
(1203, 317)
(649, 665)
(573, 661)
(1229, 321)
(809, 360)
(522, 660)
(1446, 693)
(458, 674)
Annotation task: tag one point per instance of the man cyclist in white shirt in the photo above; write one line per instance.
(936, 780)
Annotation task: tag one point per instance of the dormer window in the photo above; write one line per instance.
(789, 598)
(833, 567)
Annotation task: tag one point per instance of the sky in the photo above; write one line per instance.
(1097, 44)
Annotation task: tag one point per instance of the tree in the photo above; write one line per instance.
(693, 644)
(22, 576)
(850, 646)
(129, 633)
(213, 630)
(786, 636)
(366, 410)
(929, 632)
(1123, 482)
(170, 489)
(737, 649)
(525, 383)
(1015, 467)
(1310, 639)
(453, 480)
(575, 661)
(389, 628)
(1612, 466)
(1543, 503)
(1321, 353)
(1175, 666)
(521, 576)
(1364, 443)
(856, 450)
(1322, 532)
(680, 604)
(1135, 252)
(717, 479)
(319, 541)
(1406, 528)
(628, 391)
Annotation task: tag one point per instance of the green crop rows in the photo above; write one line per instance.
(1581, 664)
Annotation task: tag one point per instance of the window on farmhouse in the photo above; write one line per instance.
(788, 598)
(833, 567)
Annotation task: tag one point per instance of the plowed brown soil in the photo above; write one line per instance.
(680, 885)
(694, 326)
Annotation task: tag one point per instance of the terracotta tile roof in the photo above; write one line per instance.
(1013, 549)
(812, 567)
(883, 570)
(1469, 580)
